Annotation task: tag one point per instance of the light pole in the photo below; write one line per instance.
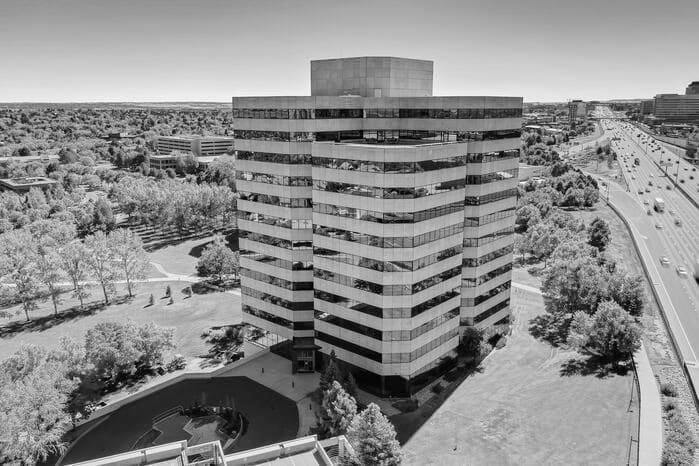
(677, 173)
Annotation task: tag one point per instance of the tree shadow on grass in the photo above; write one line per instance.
(231, 241)
(549, 328)
(594, 365)
(40, 324)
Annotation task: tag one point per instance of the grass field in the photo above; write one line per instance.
(528, 405)
(181, 257)
(189, 316)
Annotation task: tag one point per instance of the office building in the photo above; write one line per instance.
(308, 451)
(577, 111)
(376, 227)
(199, 146)
(677, 108)
(646, 107)
(23, 185)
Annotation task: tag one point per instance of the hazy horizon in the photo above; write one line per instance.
(92, 51)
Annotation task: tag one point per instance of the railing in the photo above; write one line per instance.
(633, 454)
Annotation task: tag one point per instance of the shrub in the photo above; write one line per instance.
(670, 406)
(177, 363)
(452, 375)
(501, 343)
(668, 389)
(437, 388)
(151, 300)
(679, 443)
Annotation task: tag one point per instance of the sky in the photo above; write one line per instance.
(211, 50)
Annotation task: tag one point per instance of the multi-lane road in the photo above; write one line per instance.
(671, 237)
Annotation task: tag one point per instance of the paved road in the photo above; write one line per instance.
(660, 236)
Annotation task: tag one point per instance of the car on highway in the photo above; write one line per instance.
(668, 187)
(649, 212)
(645, 201)
(640, 191)
(678, 222)
(647, 189)
(659, 226)
(651, 175)
(664, 261)
(650, 183)
(682, 271)
(633, 177)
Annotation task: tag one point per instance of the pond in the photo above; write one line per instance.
(270, 418)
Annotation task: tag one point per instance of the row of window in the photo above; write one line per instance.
(388, 193)
(470, 302)
(274, 241)
(492, 197)
(386, 290)
(276, 300)
(371, 166)
(489, 218)
(288, 202)
(276, 281)
(324, 113)
(486, 277)
(387, 335)
(380, 135)
(387, 358)
(492, 177)
(303, 325)
(386, 313)
(386, 266)
(378, 167)
(279, 180)
(489, 238)
(275, 261)
(294, 224)
(388, 241)
(270, 157)
(388, 217)
(493, 310)
(484, 259)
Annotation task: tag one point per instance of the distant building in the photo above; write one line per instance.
(646, 107)
(577, 111)
(117, 136)
(23, 185)
(200, 146)
(307, 451)
(677, 108)
(693, 88)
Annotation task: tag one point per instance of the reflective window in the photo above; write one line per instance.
(295, 224)
(276, 281)
(489, 238)
(388, 241)
(490, 218)
(273, 241)
(470, 302)
(492, 177)
(267, 316)
(388, 217)
(269, 157)
(302, 203)
(484, 259)
(486, 277)
(485, 157)
(498, 307)
(492, 197)
(386, 266)
(276, 300)
(388, 193)
(275, 261)
(274, 179)
(272, 135)
(385, 290)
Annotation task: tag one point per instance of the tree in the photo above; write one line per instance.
(49, 236)
(579, 330)
(614, 334)
(470, 343)
(152, 341)
(127, 250)
(599, 234)
(217, 260)
(100, 261)
(73, 258)
(112, 348)
(103, 217)
(373, 438)
(18, 264)
(34, 391)
(331, 372)
(627, 291)
(575, 285)
(527, 216)
(338, 410)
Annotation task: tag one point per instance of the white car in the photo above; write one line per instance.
(664, 261)
(681, 271)
(659, 226)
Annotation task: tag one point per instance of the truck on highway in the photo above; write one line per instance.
(696, 269)
(659, 205)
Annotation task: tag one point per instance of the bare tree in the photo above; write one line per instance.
(128, 252)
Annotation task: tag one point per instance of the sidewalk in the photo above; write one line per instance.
(650, 431)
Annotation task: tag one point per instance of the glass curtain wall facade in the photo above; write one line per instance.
(378, 237)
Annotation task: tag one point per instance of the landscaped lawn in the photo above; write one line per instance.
(182, 257)
(189, 316)
(524, 407)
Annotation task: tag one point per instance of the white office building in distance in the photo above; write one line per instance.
(376, 220)
(199, 146)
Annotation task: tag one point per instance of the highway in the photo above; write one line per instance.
(662, 235)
